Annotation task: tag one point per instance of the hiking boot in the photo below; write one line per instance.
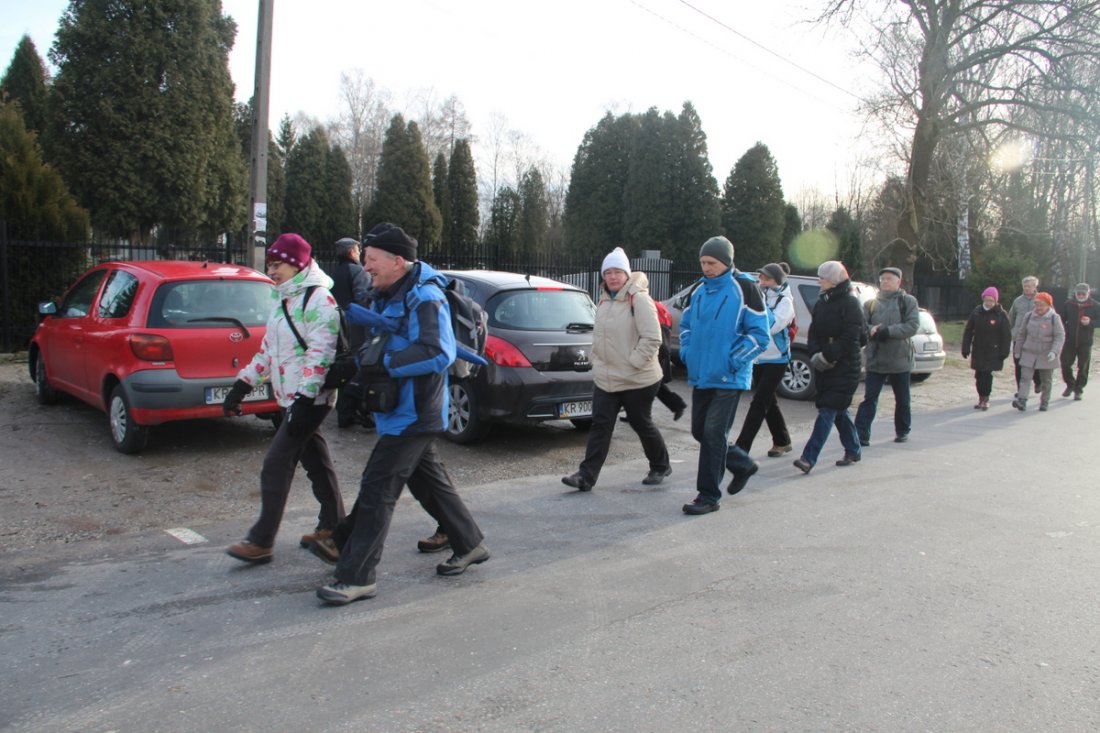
(1042, 407)
(740, 480)
(325, 550)
(457, 564)
(245, 551)
(777, 450)
(699, 506)
(1067, 391)
(1019, 404)
(340, 594)
(436, 543)
(655, 477)
(803, 465)
(1077, 396)
(317, 534)
(848, 459)
(577, 481)
(901, 438)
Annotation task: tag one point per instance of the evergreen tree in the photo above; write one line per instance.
(792, 225)
(594, 201)
(307, 187)
(157, 147)
(340, 219)
(534, 220)
(24, 82)
(287, 137)
(850, 239)
(647, 196)
(463, 204)
(696, 214)
(502, 234)
(404, 193)
(753, 209)
(442, 196)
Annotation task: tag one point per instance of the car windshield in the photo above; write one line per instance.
(210, 304)
(927, 323)
(540, 310)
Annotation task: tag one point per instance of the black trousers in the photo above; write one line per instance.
(638, 404)
(670, 399)
(983, 382)
(395, 461)
(1082, 354)
(764, 407)
(283, 456)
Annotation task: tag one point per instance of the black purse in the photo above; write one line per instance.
(372, 387)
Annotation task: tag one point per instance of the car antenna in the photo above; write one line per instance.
(528, 278)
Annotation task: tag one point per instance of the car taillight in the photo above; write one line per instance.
(148, 347)
(499, 351)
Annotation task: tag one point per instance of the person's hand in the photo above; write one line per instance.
(1051, 356)
(735, 364)
(1085, 320)
(232, 404)
(820, 363)
(297, 416)
(966, 354)
(881, 334)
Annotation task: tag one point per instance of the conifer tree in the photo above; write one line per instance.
(462, 190)
(752, 209)
(502, 234)
(442, 195)
(695, 208)
(24, 82)
(850, 238)
(792, 225)
(340, 219)
(594, 201)
(404, 192)
(307, 187)
(534, 221)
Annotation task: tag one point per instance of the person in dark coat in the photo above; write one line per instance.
(1080, 316)
(987, 342)
(834, 342)
(350, 285)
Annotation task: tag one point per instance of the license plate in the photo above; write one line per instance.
(216, 395)
(568, 410)
(931, 346)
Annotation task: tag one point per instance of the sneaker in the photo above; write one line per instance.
(326, 550)
(340, 594)
(803, 465)
(317, 534)
(578, 482)
(700, 507)
(1067, 391)
(777, 450)
(901, 438)
(458, 564)
(245, 551)
(739, 480)
(436, 543)
(848, 459)
(655, 477)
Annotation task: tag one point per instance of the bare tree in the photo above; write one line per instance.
(359, 130)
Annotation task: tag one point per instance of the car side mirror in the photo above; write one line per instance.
(47, 308)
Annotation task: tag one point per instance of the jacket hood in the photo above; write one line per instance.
(636, 283)
(312, 275)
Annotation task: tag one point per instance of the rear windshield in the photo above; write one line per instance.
(211, 304)
(540, 310)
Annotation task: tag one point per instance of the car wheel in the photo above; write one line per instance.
(920, 376)
(582, 423)
(43, 391)
(463, 424)
(127, 435)
(798, 381)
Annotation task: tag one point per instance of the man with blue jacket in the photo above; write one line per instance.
(409, 309)
(723, 329)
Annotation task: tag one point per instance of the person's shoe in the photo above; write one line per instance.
(1042, 407)
(865, 442)
(340, 594)
(848, 459)
(436, 543)
(1067, 391)
(317, 534)
(655, 477)
(678, 413)
(245, 551)
(739, 480)
(979, 405)
(1077, 396)
(802, 465)
(700, 507)
(984, 404)
(458, 564)
(901, 438)
(1019, 404)
(777, 450)
(325, 550)
(577, 481)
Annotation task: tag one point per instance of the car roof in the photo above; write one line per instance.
(188, 269)
(505, 280)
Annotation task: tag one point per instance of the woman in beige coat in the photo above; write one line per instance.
(625, 370)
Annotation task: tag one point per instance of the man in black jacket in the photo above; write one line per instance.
(1079, 315)
(350, 285)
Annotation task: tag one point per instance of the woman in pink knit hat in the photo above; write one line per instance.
(987, 342)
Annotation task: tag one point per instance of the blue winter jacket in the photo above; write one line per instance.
(420, 349)
(722, 330)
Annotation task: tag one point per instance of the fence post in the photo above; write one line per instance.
(5, 288)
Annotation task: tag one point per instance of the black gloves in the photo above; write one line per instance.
(297, 416)
(232, 405)
(882, 334)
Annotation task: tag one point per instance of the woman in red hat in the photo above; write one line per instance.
(1038, 345)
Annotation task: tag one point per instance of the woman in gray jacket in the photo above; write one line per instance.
(1038, 343)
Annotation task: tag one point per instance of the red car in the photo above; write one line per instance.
(151, 342)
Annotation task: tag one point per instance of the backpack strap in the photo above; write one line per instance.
(290, 321)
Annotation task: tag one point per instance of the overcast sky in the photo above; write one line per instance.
(755, 71)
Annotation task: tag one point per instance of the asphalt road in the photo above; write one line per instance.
(946, 584)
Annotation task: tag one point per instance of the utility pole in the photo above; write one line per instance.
(258, 178)
(1090, 209)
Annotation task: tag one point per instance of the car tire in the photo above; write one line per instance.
(582, 423)
(919, 377)
(44, 393)
(127, 436)
(464, 426)
(799, 382)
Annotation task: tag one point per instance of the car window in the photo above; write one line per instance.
(809, 294)
(79, 300)
(540, 310)
(927, 323)
(208, 303)
(118, 295)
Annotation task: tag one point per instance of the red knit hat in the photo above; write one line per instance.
(292, 249)
(1045, 297)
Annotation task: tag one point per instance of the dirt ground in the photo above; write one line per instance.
(61, 481)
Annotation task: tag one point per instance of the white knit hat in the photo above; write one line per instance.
(833, 271)
(617, 259)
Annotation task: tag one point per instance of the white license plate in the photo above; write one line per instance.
(216, 395)
(931, 346)
(567, 410)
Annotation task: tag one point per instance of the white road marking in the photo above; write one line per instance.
(186, 536)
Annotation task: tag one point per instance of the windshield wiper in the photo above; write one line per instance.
(578, 326)
(223, 319)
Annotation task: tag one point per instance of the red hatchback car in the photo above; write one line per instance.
(151, 342)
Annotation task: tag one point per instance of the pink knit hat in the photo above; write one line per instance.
(991, 292)
(292, 249)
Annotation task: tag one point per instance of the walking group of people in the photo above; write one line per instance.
(737, 329)
(1038, 338)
